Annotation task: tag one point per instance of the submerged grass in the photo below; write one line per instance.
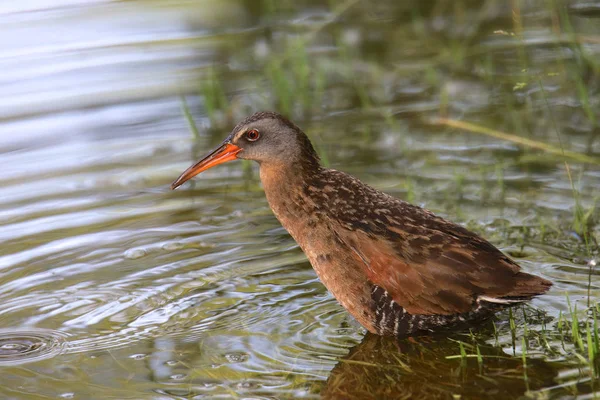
(189, 118)
(213, 93)
(530, 143)
(577, 333)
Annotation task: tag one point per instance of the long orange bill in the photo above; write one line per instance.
(224, 153)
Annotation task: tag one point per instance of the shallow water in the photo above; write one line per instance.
(114, 287)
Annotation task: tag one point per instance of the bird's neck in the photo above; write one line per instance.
(286, 188)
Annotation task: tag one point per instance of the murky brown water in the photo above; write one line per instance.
(114, 287)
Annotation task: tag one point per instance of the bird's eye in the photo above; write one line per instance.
(252, 135)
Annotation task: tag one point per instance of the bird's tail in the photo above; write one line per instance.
(527, 286)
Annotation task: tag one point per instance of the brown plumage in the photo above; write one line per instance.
(397, 268)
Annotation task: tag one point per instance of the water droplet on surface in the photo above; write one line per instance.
(172, 246)
(10, 346)
(134, 254)
(247, 385)
(237, 214)
(237, 357)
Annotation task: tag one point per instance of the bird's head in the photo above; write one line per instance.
(265, 137)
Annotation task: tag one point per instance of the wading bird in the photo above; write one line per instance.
(397, 268)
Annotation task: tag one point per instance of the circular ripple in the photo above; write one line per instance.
(28, 345)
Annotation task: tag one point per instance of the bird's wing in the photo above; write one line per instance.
(445, 277)
(427, 264)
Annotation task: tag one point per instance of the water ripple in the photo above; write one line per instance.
(18, 346)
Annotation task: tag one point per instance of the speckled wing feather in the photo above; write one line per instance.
(427, 264)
